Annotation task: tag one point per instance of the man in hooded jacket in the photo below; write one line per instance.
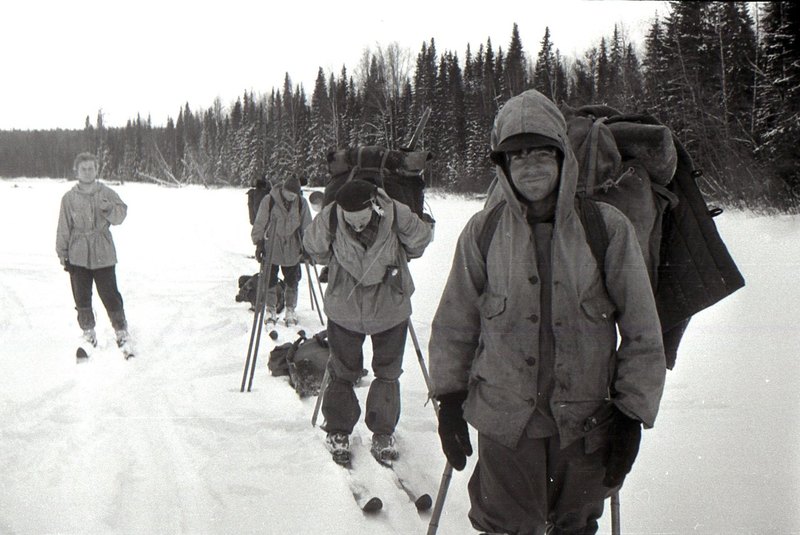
(524, 342)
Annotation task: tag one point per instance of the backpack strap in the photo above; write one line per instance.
(489, 227)
(596, 232)
(592, 220)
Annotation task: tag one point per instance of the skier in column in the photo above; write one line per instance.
(524, 342)
(282, 217)
(366, 239)
(86, 249)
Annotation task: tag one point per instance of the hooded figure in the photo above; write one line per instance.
(524, 342)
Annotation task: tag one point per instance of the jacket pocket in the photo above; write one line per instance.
(598, 309)
(491, 305)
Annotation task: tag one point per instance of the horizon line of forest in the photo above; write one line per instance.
(727, 82)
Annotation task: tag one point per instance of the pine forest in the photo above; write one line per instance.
(725, 78)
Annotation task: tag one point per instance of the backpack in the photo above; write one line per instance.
(303, 360)
(254, 197)
(636, 164)
(398, 172)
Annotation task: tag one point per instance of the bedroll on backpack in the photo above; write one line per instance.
(636, 164)
(303, 360)
(398, 172)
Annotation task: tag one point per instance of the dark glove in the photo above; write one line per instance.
(323, 275)
(67, 266)
(624, 436)
(260, 251)
(453, 431)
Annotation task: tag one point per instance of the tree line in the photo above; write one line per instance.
(727, 81)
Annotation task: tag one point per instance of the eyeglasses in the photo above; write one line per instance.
(538, 153)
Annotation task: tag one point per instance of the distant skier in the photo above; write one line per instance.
(86, 249)
(369, 293)
(278, 233)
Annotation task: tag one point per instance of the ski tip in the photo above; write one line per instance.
(81, 355)
(373, 505)
(424, 502)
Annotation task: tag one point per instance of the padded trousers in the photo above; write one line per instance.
(340, 405)
(537, 487)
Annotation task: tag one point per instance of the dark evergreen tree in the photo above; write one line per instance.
(779, 103)
(516, 79)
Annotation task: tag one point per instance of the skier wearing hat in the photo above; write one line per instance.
(524, 343)
(282, 217)
(366, 239)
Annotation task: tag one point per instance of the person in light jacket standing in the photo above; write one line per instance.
(366, 239)
(86, 249)
(282, 217)
(524, 342)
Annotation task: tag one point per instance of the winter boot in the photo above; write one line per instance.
(86, 344)
(89, 338)
(383, 448)
(272, 316)
(124, 343)
(291, 317)
(339, 446)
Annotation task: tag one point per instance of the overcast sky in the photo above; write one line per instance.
(63, 60)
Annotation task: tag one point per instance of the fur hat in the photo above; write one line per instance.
(292, 184)
(356, 195)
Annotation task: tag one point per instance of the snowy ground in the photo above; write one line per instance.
(166, 443)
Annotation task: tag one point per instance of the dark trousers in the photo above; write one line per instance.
(291, 275)
(105, 279)
(522, 490)
(340, 404)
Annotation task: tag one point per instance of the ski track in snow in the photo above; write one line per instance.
(166, 443)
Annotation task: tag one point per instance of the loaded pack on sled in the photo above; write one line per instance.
(248, 290)
(636, 164)
(303, 360)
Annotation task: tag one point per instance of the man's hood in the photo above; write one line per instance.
(533, 113)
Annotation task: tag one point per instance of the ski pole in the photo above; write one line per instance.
(323, 385)
(319, 284)
(615, 527)
(314, 294)
(310, 291)
(433, 525)
(257, 320)
(258, 314)
(447, 475)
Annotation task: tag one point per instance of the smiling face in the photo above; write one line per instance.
(534, 171)
(358, 220)
(86, 171)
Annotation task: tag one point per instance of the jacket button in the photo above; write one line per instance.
(534, 279)
(557, 324)
(530, 361)
(534, 318)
